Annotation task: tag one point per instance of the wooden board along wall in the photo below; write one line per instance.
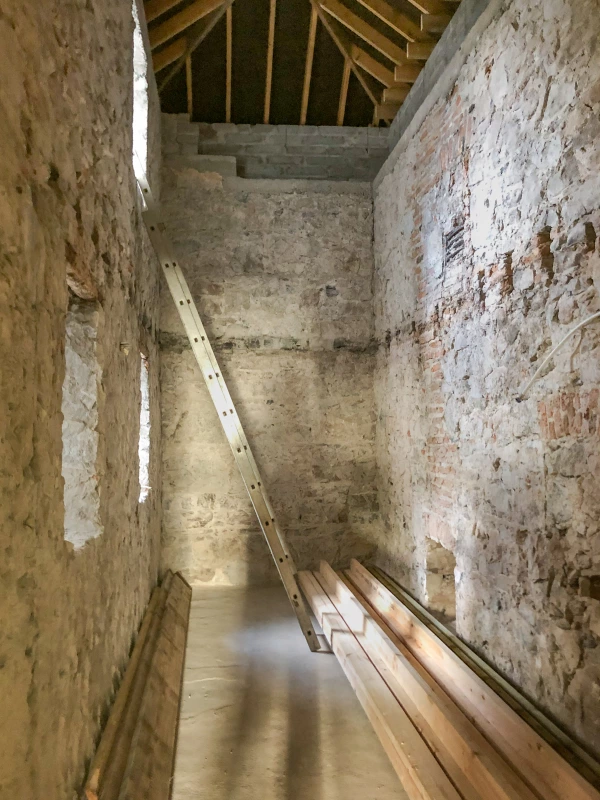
(475, 767)
(420, 773)
(545, 770)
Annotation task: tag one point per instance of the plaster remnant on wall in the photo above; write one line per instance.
(80, 425)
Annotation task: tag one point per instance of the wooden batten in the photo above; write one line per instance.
(420, 773)
(365, 31)
(419, 51)
(542, 768)
(477, 770)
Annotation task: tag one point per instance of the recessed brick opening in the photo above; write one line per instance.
(440, 582)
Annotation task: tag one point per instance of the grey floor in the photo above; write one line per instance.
(262, 717)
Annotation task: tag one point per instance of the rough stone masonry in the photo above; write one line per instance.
(487, 218)
(73, 254)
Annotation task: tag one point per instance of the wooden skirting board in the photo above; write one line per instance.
(447, 733)
(135, 757)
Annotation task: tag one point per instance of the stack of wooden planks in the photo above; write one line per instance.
(448, 734)
(135, 757)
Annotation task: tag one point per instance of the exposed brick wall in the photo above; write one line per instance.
(486, 222)
(69, 223)
(282, 151)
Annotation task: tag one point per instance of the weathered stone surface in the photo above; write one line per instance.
(487, 253)
(68, 204)
(281, 272)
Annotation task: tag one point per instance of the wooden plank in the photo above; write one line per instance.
(407, 73)
(531, 756)
(189, 85)
(418, 770)
(194, 39)
(156, 8)
(365, 31)
(270, 48)
(386, 111)
(371, 65)
(398, 21)
(430, 6)
(435, 23)
(150, 764)
(344, 91)
(396, 94)
(229, 61)
(105, 784)
(102, 755)
(179, 22)
(169, 54)
(419, 51)
(310, 52)
(429, 707)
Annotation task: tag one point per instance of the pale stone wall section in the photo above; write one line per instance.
(69, 214)
(281, 272)
(513, 490)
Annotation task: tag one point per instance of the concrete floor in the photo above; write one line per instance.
(263, 718)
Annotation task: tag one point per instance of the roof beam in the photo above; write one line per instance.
(385, 112)
(229, 59)
(189, 85)
(179, 22)
(407, 73)
(362, 29)
(435, 23)
(169, 54)
(344, 91)
(394, 18)
(419, 51)
(310, 52)
(396, 94)
(195, 38)
(371, 65)
(270, 48)
(337, 34)
(156, 8)
(430, 6)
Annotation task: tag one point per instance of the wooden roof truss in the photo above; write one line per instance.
(385, 70)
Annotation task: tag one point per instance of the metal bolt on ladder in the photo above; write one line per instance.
(225, 408)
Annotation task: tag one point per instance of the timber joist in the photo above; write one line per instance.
(446, 727)
(397, 40)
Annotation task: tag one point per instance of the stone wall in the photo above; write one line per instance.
(325, 152)
(70, 232)
(486, 235)
(281, 272)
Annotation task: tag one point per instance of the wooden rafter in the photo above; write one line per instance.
(181, 21)
(270, 48)
(435, 23)
(195, 37)
(169, 54)
(385, 112)
(407, 73)
(430, 6)
(394, 18)
(396, 94)
(419, 51)
(156, 8)
(310, 52)
(375, 68)
(344, 91)
(189, 85)
(365, 31)
(229, 59)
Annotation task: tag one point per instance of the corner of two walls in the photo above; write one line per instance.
(486, 253)
(70, 225)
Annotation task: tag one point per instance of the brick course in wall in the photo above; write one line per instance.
(486, 239)
(282, 151)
